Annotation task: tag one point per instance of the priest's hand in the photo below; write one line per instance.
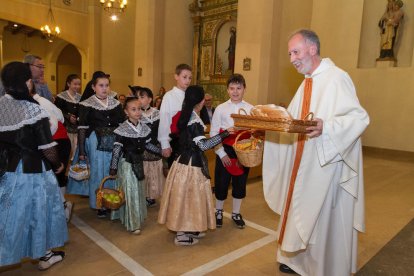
(315, 131)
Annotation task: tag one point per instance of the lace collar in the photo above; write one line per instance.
(126, 129)
(15, 114)
(195, 119)
(95, 103)
(65, 95)
(151, 116)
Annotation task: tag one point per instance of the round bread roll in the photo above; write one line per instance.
(271, 111)
(256, 111)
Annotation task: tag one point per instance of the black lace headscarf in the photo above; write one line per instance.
(14, 76)
(193, 96)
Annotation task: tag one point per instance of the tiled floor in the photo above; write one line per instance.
(110, 250)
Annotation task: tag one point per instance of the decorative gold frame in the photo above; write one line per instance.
(209, 16)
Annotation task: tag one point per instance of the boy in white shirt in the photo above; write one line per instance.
(171, 104)
(227, 166)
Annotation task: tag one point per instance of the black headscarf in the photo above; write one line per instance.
(193, 96)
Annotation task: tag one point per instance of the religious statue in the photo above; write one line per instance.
(389, 23)
(232, 49)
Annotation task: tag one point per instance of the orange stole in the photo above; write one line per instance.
(298, 157)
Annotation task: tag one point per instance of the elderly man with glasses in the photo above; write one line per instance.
(37, 67)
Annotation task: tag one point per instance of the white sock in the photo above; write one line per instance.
(181, 236)
(236, 205)
(48, 252)
(219, 204)
(62, 193)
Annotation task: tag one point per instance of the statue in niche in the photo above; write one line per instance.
(389, 24)
(231, 50)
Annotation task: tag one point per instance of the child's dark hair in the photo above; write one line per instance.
(145, 91)
(14, 76)
(99, 75)
(128, 100)
(236, 78)
(135, 90)
(193, 96)
(69, 79)
(181, 67)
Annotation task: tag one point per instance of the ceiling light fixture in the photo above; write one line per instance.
(114, 7)
(50, 30)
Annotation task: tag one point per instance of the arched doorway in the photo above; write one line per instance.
(68, 62)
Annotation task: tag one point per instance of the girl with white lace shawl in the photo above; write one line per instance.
(153, 164)
(132, 138)
(187, 205)
(32, 220)
(99, 116)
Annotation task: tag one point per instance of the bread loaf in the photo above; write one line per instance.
(271, 111)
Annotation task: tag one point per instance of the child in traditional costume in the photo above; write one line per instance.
(187, 203)
(153, 164)
(32, 219)
(99, 116)
(68, 102)
(132, 139)
(228, 169)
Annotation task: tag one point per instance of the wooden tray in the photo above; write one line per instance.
(280, 124)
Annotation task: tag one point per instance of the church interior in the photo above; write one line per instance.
(144, 45)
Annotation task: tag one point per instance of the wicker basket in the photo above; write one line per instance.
(249, 157)
(266, 123)
(79, 171)
(102, 195)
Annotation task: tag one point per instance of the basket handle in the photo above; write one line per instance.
(309, 116)
(242, 109)
(104, 180)
(238, 136)
(85, 160)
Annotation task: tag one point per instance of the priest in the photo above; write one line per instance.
(315, 180)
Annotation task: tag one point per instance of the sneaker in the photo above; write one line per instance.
(184, 240)
(101, 213)
(68, 210)
(50, 259)
(219, 218)
(151, 202)
(237, 218)
(195, 235)
(136, 232)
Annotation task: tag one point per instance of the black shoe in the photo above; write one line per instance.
(219, 218)
(101, 213)
(151, 202)
(285, 269)
(237, 218)
(184, 240)
(195, 235)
